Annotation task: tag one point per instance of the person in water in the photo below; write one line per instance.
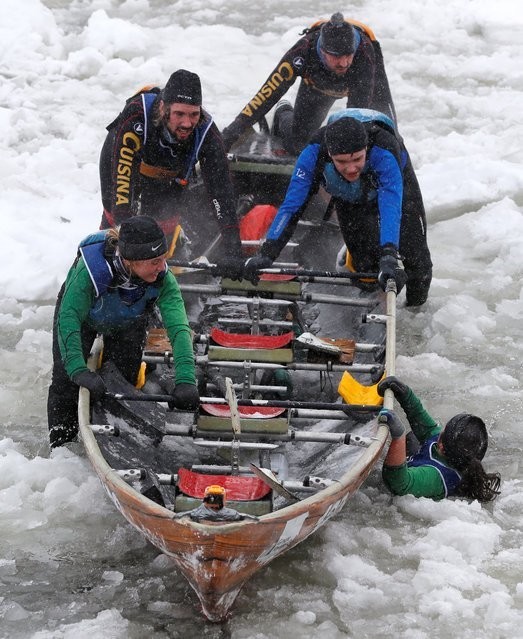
(448, 462)
(117, 280)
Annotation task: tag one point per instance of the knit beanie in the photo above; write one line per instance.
(345, 135)
(183, 86)
(337, 37)
(141, 239)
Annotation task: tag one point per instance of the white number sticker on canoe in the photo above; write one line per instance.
(290, 532)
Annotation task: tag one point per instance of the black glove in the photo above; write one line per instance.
(231, 267)
(93, 382)
(391, 269)
(399, 389)
(185, 397)
(230, 134)
(396, 427)
(253, 264)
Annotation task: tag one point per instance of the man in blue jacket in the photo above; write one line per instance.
(361, 162)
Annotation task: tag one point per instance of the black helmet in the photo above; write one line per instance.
(338, 37)
(464, 438)
(346, 135)
(141, 239)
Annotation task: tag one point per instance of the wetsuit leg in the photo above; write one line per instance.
(125, 349)
(62, 400)
(310, 109)
(413, 240)
(360, 231)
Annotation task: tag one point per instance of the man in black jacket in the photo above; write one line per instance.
(148, 161)
(335, 59)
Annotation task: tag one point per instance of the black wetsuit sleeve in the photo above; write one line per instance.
(120, 163)
(279, 81)
(218, 183)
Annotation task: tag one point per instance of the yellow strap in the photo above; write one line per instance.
(176, 235)
(350, 265)
(140, 379)
(353, 392)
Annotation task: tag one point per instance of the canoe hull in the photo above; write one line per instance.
(218, 558)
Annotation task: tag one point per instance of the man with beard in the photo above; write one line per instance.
(335, 59)
(147, 163)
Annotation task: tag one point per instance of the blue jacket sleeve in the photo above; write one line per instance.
(390, 193)
(299, 191)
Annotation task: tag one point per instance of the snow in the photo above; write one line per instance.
(70, 565)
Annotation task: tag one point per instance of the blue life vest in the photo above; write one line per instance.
(199, 133)
(425, 457)
(362, 190)
(364, 115)
(337, 186)
(114, 307)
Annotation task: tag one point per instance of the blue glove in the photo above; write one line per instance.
(390, 268)
(396, 427)
(253, 265)
(93, 382)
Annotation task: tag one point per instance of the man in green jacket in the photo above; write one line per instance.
(112, 288)
(448, 462)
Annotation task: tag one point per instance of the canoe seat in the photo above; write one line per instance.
(244, 493)
(239, 487)
(247, 412)
(253, 419)
(246, 340)
(238, 347)
(278, 286)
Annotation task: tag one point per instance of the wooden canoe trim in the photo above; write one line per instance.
(247, 412)
(245, 340)
(157, 342)
(347, 347)
(237, 487)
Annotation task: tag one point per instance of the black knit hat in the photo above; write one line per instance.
(345, 135)
(464, 438)
(141, 239)
(337, 37)
(183, 86)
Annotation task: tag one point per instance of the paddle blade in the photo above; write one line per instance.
(353, 392)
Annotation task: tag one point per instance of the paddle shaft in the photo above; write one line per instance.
(299, 272)
(271, 403)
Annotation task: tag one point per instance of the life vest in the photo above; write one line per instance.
(363, 190)
(425, 457)
(148, 95)
(366, 116)
(114, 307)
(255, 224)
(199, 133)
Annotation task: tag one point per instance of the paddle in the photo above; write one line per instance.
(274, 403)
(309, 275)
(236, 426)
(267, 476)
